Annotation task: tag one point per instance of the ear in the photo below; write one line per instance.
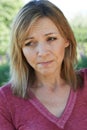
(67, 43)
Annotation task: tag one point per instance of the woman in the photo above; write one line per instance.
(45, 92)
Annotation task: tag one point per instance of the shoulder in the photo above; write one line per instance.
(4, 109)
(83, 73)
(83, 89)
(6, 95)
(9, 99)
(5, 90)
(10, 103)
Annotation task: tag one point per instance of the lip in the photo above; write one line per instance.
(45, 62)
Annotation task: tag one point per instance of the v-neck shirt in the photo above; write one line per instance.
(60, 122)
(17, 113)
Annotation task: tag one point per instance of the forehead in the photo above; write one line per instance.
(42, 26)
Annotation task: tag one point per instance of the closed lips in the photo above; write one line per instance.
(45, 62)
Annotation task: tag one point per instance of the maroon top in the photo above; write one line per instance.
(30, 114)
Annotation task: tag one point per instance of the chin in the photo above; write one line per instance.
(47, 72)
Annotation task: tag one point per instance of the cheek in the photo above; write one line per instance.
(27, 54)
(59, 51)
(30, 56)
(59, 55)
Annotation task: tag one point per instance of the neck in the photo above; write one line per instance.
(51, 82)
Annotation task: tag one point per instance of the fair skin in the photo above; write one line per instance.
(44, 50)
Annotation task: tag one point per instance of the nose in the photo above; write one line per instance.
(43, 49)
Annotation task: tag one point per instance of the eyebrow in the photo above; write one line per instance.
(47, 34)
(51, 33)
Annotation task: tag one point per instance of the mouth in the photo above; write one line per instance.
(45, 63)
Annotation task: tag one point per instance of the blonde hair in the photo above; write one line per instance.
(22, 74)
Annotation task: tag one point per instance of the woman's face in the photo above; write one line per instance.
(44, 47)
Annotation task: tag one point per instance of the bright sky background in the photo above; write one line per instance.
(70, 7)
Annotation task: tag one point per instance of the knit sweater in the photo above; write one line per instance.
(17, 113)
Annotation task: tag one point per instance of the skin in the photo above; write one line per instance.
(44, 49)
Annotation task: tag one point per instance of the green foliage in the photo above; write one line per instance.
(80, 33)
(82, 62)
(79, 26)
(8, 9)
(82, 55)
(4, 73)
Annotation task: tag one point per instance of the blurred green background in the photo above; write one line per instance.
(8, 9)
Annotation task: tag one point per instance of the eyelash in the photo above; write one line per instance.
(51, 39)
(48, 39)
(29, 43)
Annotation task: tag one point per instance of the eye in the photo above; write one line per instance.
(51, 38)
(28, 44)
(31, 43)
